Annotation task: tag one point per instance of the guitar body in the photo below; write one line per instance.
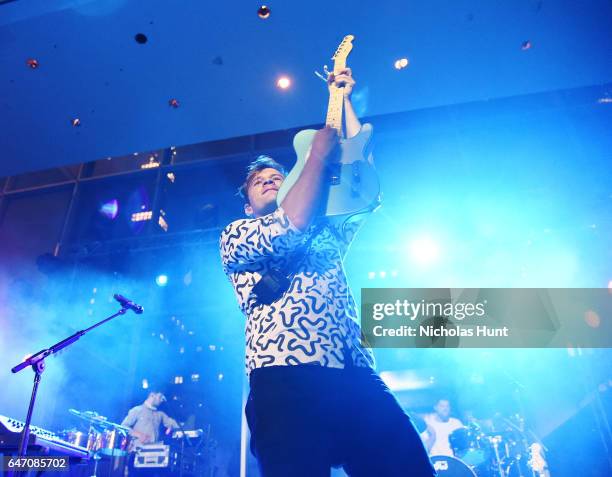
(353, 182)
(354, 185)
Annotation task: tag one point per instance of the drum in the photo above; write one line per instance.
(113, 442)
(451, 467)
(509, 451)
(80, 438)
(470, 445)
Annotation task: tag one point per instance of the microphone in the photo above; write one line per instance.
(125, 303)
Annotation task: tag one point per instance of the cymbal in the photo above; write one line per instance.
(87, 415)
(96, 419)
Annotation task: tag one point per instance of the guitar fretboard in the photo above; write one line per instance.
(336, 98)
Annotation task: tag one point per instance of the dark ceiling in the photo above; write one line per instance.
(220, 61)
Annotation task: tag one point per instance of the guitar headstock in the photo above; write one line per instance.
(344, 49)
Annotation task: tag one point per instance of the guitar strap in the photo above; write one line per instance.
(276, 281)
(300, 254)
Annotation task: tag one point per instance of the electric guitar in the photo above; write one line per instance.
(354, 186)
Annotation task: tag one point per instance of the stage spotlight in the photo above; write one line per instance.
(145, 384)
(283, 82)
(424, 251)
(110, 209)
(405, 380)
(161, 280)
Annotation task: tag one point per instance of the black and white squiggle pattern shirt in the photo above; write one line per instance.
(315, 321)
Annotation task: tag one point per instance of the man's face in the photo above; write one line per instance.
(157, 399)
(443, 409)
(262, 189)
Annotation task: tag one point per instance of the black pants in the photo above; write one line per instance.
(306, 419)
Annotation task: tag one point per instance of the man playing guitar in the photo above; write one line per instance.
(315, 400)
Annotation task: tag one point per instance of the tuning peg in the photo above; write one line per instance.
(319, 75)
(326, 71)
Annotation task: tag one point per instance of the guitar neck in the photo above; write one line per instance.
(335, 104)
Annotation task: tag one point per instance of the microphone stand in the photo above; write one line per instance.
(37, 362)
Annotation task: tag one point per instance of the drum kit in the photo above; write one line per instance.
(102, 437)
(503, 453)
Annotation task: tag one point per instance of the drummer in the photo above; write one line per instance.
(440, 425)
(145, 420)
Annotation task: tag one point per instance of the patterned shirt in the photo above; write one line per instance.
(315, 321)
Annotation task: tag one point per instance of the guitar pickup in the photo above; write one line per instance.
(336, 172)
(355, 178)
(355, 166)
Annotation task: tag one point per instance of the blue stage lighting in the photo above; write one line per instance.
(424, 251)
(110, 209)
(161, 280)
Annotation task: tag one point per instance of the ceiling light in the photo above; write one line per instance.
(401, 63)
(283, 82)
(263, 12)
